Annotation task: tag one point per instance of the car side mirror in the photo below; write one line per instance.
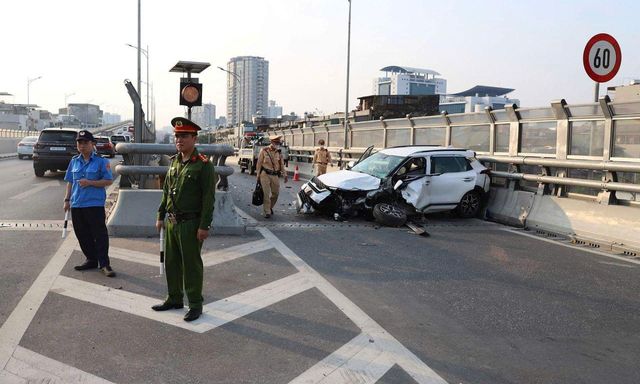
(351, 164)
(397, 185)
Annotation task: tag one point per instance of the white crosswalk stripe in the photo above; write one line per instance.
(365, 359)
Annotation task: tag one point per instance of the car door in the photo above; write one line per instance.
(449, 178)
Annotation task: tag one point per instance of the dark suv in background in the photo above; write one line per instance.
(54, 149)
(104, 146)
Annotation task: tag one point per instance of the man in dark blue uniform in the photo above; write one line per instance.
(87, 176)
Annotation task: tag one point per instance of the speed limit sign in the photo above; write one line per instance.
(602, 57)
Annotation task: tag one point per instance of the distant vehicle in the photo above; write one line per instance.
(115, 139)
(25, 146)
(249, 150)
(397, 182)
(54, 149)
(104, 146)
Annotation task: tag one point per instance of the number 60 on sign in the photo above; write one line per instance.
(602, 57)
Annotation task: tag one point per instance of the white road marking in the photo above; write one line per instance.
(231, 253)
(17, 323)
(209, 258)
(36, 368)
(358, 361)
(33, 225)
(397, 352)
(599, 253)
(246, 216)
(214, 314)
(134, 256)
(364, 359)
(617, 264)
(35, 189)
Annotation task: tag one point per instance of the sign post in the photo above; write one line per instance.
(601, 59)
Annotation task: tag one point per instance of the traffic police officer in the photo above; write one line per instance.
(321, 158)
(87, 176)
(270, 167)
(186, 211)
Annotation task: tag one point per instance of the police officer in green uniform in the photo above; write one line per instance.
(186, 211)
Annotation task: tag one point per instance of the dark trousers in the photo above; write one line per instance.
(91, 230)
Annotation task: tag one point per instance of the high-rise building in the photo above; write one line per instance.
(247, 89)
(204, 116)
(273, 110)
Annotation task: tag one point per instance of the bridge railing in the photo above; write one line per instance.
(218, 153)
(17, 133)
(585, 150)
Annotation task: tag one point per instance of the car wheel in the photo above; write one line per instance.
(39, 172)
(469, 205)
(252, 168)
(242, 169)
(20, 157)
(389, 215)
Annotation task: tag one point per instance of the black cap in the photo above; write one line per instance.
(85, 135)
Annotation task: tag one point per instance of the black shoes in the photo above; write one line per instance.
(107, 271)
(86, 265)
(166, 306)
(193, 314)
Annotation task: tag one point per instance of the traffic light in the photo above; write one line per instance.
(190, 94)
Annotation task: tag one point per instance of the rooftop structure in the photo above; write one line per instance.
(402, 80)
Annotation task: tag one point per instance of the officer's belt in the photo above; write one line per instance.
(322, 163)
(270, 172)
(180, 217)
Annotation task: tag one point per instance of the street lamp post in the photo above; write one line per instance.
(145, 52)
(66, 96)
(237, 77)
(346, 102)
(29, 81)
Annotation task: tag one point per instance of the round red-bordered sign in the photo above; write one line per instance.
(602, 57)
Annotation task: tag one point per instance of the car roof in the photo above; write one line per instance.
(61, 130)
(409, 150)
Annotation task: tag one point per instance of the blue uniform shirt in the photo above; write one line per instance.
(96, 168)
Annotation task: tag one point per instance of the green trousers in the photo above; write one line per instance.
(183, 263)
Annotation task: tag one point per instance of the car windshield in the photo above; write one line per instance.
(30, 139)
(379, 165)
(117, 138)
(58, 136)
(102, 140)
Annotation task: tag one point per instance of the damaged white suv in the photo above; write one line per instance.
(398, 182)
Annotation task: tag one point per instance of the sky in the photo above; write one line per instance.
(79, 47)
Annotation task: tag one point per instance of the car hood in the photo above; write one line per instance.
(350, 180)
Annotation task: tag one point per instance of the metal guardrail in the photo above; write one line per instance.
(16, 133)
(584, 141)
(217, 152)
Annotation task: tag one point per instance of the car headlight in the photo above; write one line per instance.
(318, 183)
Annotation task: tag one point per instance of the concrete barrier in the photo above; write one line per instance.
(135, 214)
(613, 225)
(8, 145)
(509, 206)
